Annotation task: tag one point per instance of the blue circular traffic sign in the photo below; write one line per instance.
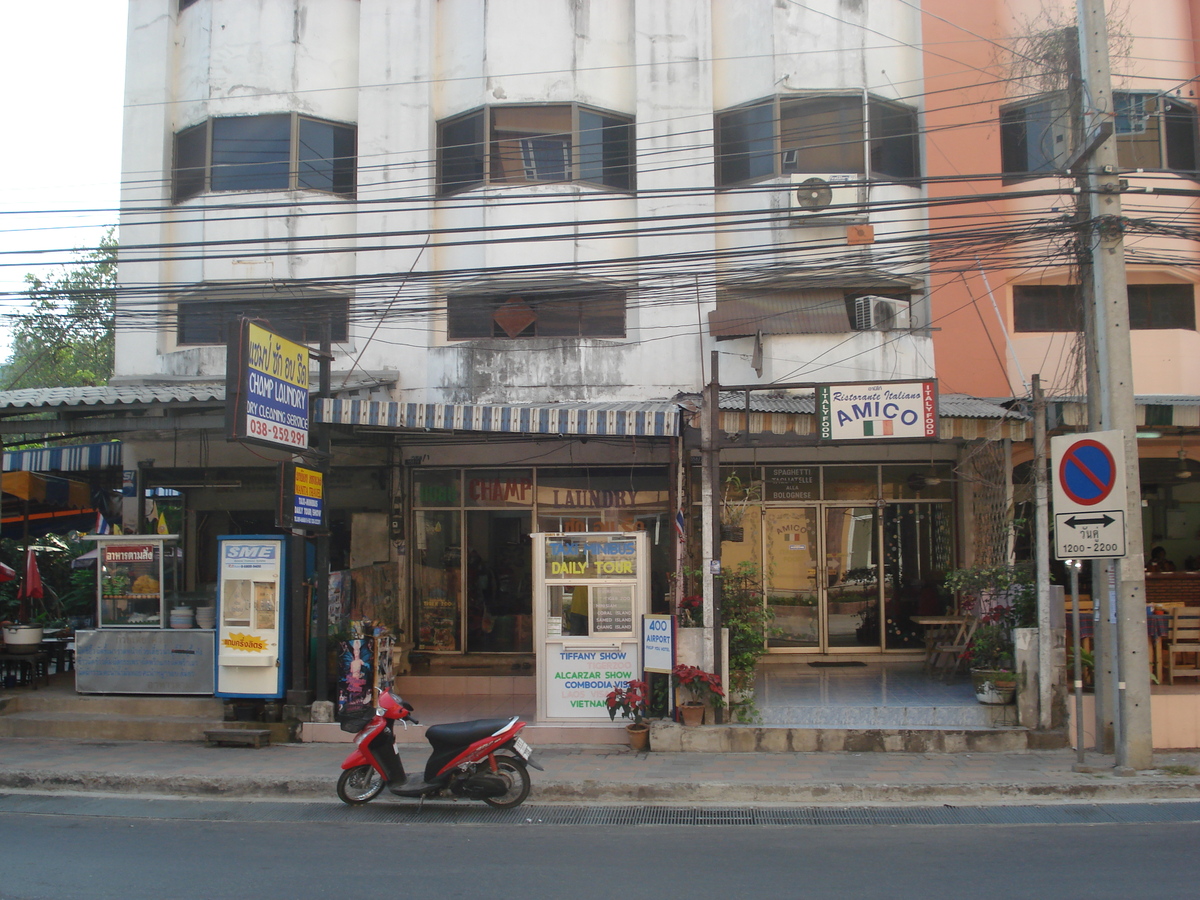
(1087, 472)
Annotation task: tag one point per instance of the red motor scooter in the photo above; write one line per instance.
(482, 760)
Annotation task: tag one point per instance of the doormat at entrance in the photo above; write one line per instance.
(835, 665)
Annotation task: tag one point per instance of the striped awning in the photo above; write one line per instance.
(72, 458)
(645, 419)
(48, 489)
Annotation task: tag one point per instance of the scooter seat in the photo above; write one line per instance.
(459, 734)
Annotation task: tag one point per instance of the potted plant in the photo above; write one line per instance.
(736, 498)
(691, 611)
(992, 658)
(703, 687)
(632, 701)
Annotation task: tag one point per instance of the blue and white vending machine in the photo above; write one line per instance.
(250, 600)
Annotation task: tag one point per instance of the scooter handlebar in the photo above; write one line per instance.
(411, 718)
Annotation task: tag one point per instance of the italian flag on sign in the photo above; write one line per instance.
(877, 427)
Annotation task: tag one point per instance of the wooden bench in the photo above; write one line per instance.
(251, 737)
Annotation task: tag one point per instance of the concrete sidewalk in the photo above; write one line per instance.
(607, 774)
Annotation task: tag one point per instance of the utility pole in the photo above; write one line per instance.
(711, 495)
(1042, 522)
(1116, 402)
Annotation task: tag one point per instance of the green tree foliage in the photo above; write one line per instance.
(66, 339)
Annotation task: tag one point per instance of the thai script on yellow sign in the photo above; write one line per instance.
(277, 357)
(248, 642)
(308, 482)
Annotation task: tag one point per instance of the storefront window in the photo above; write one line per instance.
(919, 481)
(436, 487)
(437, 577)
(917, 551)
(488, 515)
(850, 482)
(499, 487)
(499, 586)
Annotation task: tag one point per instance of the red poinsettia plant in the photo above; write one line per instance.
(703, 687)
(691, 611)
(631, 700)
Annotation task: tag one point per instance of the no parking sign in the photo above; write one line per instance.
(1088, 475)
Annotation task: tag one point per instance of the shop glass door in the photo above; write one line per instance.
(822, 577)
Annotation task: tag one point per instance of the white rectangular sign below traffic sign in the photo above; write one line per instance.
(1095, 534)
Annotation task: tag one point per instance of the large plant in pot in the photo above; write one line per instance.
(704, 689)
(632, 701)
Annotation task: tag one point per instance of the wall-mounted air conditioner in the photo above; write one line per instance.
(826, 196)
(873, 313)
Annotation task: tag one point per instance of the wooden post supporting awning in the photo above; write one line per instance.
(48, 489)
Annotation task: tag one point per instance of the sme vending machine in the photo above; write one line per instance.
(590, 592)
(250, 600)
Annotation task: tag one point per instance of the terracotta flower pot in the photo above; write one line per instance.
(639, 736)
(692, 713)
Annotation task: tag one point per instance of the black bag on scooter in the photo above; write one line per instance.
(356, 721)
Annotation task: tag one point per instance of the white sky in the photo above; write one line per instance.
(61, 87)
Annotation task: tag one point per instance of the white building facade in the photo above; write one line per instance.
(526, 225)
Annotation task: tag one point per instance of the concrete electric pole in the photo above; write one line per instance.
(1115, 384)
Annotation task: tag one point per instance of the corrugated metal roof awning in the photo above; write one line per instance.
(636, 419)
(72, 458)
(960, 416)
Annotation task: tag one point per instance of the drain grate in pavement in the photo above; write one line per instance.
(444, 813)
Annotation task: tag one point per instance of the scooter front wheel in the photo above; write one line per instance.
(513, 771)
(360, 784)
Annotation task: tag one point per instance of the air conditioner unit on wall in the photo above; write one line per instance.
(873, 313)
(826, 196)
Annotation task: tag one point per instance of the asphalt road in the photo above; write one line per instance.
(57, 855)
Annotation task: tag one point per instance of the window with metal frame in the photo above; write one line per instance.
(535, 144)
(209, 320)
(1059, 307)
(273, 152)
(1153, 131)
(817, 134)
(571, 314)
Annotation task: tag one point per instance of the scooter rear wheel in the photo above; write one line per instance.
(360, 784)
(512, 769)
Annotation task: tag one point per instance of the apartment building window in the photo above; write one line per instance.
(570, 314)
(209, 319)
(535, 144)
(184, 4)
(274, 152)
(1041, 308)
(835, 134)
(1153, 131)
(1034, 137)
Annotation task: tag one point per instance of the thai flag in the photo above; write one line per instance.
(679, 529)
(102, 525)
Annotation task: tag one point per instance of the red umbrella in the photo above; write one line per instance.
(31, 587)
(6, 573)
